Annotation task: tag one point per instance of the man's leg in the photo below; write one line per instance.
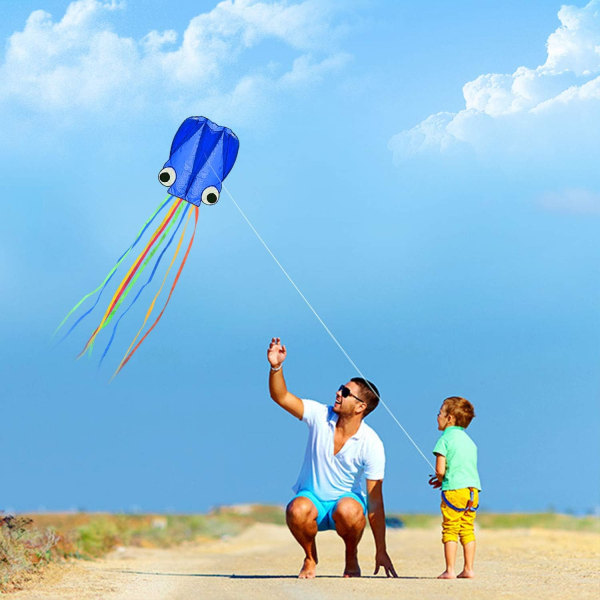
(349, 518)
(301, 516)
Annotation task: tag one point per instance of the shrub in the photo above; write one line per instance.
(23, 548)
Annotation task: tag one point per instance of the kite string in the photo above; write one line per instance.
(337, 343)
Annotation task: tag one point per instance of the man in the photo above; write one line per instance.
(340, 450)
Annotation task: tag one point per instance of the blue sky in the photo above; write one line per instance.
(427, 173)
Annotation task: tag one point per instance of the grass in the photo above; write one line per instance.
(549, 520)
(27, 543)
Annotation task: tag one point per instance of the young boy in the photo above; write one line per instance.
(456, 473)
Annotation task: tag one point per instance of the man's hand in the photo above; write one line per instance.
(383, 560)
(276, 353)
(434, 482)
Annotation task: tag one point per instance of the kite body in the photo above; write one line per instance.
(202, 155)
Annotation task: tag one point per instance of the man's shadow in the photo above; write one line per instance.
(248, 576)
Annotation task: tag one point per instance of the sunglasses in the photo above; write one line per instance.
(346, 392)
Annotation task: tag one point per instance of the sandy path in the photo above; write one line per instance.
(263, 562)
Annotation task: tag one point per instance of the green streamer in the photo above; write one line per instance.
(138, 273)
(110, 274)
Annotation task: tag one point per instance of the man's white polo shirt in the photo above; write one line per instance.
(327, 475)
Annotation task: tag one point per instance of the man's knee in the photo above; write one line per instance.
(349, 514)
(301, 510)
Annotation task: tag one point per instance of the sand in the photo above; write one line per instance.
(262, 563)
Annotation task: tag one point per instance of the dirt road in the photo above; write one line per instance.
(262, 563)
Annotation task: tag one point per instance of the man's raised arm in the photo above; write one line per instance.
(276, 355)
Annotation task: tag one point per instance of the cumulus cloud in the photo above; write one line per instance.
(80, 63)
(554, 106)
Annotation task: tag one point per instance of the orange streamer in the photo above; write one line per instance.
(131, 273)
(128, 357)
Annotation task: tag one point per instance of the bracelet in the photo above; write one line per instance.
(274, 370)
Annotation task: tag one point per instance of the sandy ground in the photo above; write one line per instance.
(262, 563)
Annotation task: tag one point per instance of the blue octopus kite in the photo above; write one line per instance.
(202, 155)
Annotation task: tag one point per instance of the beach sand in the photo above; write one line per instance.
(262, 563)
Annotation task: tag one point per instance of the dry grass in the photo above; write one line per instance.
(29, 542)
(23, 550)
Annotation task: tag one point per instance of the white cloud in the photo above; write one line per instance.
(575, 201)
(81, 63)
(541, 110)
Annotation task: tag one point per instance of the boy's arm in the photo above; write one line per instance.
(440, 466)
(440, 471)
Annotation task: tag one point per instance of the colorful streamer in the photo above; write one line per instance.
(130, 274)
(112, 337)
(128, 357)
(110, 273)
(202, 154)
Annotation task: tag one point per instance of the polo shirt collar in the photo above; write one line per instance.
(448, 429)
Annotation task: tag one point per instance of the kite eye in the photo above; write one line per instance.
(210, 195)
(167, 176)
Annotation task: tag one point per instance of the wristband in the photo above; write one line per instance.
(275, 369)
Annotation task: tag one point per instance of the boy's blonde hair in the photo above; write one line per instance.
(461, 409)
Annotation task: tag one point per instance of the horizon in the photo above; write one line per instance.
(426, 175)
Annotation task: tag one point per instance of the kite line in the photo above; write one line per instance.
(335, 340)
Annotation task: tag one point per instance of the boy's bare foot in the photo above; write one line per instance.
(447, 575)
(466, 574)
(309, 569)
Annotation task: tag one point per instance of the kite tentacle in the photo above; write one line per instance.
(110, 273)
(141, 269)
(128, 356)
(180, 221)
(151, 307)
(130, 273)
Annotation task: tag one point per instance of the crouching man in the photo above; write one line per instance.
(341, 450)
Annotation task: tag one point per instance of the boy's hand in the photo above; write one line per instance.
(434, 482)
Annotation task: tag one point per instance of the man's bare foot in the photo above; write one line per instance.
(352, 568)
(466, 574)
(447, 575)
(309, 569)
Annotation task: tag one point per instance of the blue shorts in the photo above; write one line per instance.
(325, 508)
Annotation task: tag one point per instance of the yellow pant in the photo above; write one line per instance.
(456, 523)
